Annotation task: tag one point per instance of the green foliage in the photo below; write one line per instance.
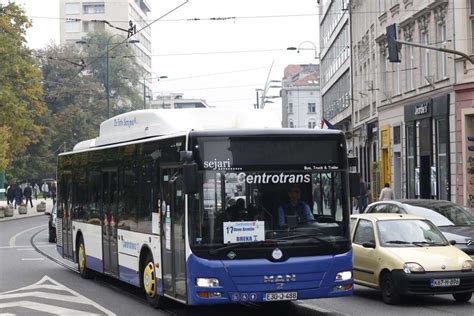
(21, 105)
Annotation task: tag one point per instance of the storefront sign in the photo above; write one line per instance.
(422, 108)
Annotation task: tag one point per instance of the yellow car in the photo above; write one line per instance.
(404, 254)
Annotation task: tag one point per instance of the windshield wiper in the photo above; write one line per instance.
(243, 244)
(431, 243)
(398, 242)
(314, 237)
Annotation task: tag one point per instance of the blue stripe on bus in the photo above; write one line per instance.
(95, 264)
(129, 275)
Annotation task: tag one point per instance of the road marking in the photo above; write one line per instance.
(13, 239)
(25, 249)
(20, 247)
(25, 299)
(32, 259)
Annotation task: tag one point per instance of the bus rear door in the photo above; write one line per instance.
(109, 219)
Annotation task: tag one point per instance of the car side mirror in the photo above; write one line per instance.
(452, 242)
(190, 177)
(369, 244)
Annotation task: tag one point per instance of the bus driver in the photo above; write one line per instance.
(294, 207)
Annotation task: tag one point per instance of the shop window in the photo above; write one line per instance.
(410, 149)
(442, 158)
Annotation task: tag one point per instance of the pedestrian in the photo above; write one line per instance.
(362, 198)
(36, 190)
(45, 190)
(387, 193)
(53, 192)
(10, 194)
(18, 196)
(27, 192)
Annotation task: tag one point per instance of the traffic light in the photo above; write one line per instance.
(393, 53)
(471, 139)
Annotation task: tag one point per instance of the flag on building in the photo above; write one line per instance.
(326, 125)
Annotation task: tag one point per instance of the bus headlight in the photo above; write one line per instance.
(207, 282)
(344, 275)
(467, 265)
(413, 267)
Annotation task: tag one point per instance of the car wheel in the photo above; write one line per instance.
(85, 272)
(390, 293)
(462, 297)
(149, 283)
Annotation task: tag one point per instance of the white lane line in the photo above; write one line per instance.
(48, 283)
(32, 259)
(13, 239)
(25, 249)
(52, 309)
(20, 247)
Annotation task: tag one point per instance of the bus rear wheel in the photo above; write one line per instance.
(149, 283)
(85, 272)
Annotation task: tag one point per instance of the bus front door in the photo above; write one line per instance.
(173, 236)
(109, 224)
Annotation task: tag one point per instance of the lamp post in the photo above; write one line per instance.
(300, 48)
(144, 86)
(107, 83)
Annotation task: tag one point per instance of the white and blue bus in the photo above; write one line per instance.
(189, 205)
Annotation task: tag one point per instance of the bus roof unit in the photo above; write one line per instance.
(150, 123)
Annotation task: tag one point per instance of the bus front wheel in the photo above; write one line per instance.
(85, 272)
(149, 283)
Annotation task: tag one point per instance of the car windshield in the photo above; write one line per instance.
(455, 214)
(242, 208)
(436, 218)
(409, 232)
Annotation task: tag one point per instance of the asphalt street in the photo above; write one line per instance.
(33, 284)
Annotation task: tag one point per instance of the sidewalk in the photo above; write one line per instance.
(31, 211)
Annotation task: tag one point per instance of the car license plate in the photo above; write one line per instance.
(281, 296)
(445, 282)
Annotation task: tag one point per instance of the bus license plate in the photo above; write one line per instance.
(445, 282)
(281, 296)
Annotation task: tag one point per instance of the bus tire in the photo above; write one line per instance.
(85, 272)
(148, 282)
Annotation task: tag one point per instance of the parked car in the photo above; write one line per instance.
(454, 221)
(404, 254)
(52, 224)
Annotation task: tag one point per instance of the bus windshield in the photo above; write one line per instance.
(255, 209)
(269, 191)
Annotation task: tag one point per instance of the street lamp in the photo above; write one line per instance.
(300, 48)
(266, 88)
(144, 86)
(107, 84)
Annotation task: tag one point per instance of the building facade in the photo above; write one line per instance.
(414, 116)
(77, 19)
(335, 54)
(301, 97)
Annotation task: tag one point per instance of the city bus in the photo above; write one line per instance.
(187, 205)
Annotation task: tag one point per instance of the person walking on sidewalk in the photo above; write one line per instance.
(387, 193)
(36, 190)
(27, 192)
(10, 194)
(45, 190)
(18, 195)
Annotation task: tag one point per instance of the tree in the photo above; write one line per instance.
(21, 92)
(124, 73)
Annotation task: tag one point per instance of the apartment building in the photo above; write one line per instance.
(411, 119)
(301, 96)
(79, 17)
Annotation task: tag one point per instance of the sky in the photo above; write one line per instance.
(221, 61)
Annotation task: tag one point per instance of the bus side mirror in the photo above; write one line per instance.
(190, 178)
